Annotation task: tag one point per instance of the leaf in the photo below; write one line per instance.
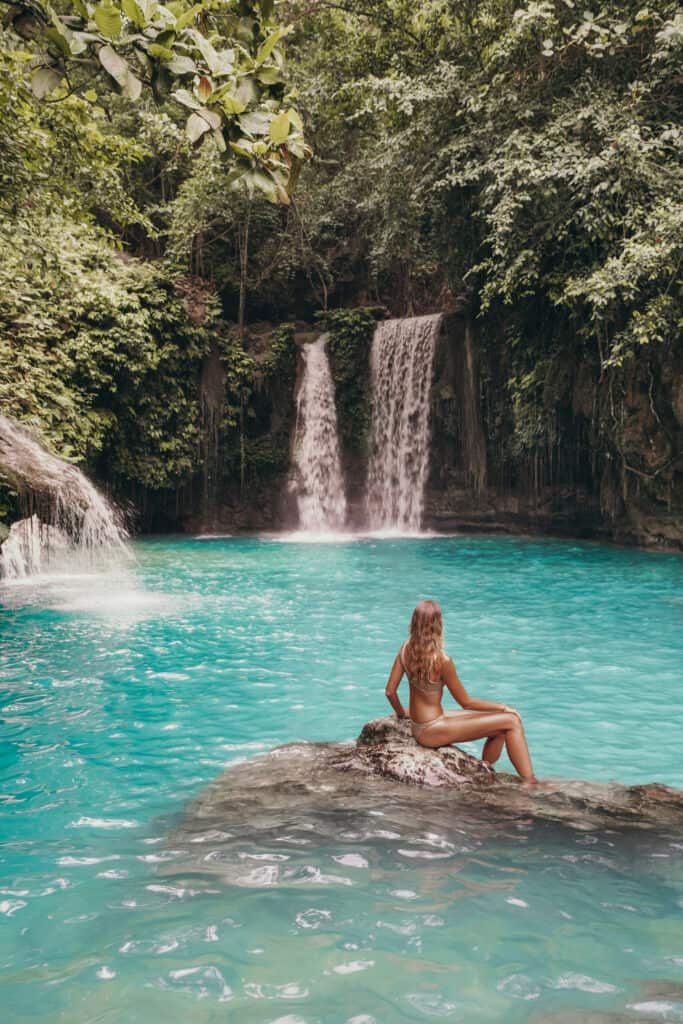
(205, 48)
(269, 76)
(119, 70)
(265, 49)
(267, 8)
(231, 105)
(204, 88)
(255, 123)
(108, 20)
(263, 181)
(279, 129)
(196, 127)
(43, 81)
(188, 17)
(161, 52)
(219, 140)
(295, 118)
(60, 39)
(182, 65)
(247, 91)
(212, 117)
(241, 148)
(133, 11)
(186, 98)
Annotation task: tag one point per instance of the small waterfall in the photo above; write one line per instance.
(401, 376)
(65, 512)
(321, 497)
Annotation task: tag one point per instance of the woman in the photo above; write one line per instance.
(429, 669)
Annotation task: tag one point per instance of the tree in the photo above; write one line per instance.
(222, 61)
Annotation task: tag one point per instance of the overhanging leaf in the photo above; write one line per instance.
(231, 105)
(108, 20)
(182, 66)
(44, 80)
(255, 123)
(240, 148)
(212, 117)
(273, 39)
(133, 11)
(60, 39)
(279, 129)
(204, 88)
(119, 70)
(160, 52)
(188, 17)
(186, 98)
(196, 127)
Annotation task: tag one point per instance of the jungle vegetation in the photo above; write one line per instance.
(171, 176)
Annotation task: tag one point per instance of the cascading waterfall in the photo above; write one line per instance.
(65, 513)
(321, 497)
(401, 375)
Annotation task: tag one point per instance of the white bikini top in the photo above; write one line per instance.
(430, 686)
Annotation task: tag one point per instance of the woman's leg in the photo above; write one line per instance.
(493, 748)
(476, 725)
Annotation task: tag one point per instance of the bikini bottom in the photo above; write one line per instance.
(418, 728)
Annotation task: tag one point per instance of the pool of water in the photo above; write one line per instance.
(123, 695)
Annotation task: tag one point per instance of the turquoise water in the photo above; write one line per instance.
(123, 696)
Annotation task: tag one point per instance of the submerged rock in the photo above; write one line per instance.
(386, 788)
(62, 506)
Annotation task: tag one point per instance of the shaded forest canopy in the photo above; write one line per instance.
(517, 165)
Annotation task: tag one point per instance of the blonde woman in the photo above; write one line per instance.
(428, 669)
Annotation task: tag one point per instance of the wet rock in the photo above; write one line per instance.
(386, 748)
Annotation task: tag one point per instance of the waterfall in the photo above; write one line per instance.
(65, 512)
(401, 377)
(321, 498)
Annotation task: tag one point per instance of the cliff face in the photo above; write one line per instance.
(569, 452)
(553, 448)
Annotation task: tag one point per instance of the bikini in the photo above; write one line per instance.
(428, 687)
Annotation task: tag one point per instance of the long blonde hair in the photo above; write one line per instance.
(423, 653)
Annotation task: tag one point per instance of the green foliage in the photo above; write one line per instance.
(222, 62)
(522, 161)
(279, 366)
(98, 352)
(350, 337)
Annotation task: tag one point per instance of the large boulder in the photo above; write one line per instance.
(386, 748)
(384, 785)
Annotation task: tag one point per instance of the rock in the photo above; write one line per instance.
(28, 546)
(386, 748)
(316, 792)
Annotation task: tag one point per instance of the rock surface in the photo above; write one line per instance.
(315, 793)
(386, 748)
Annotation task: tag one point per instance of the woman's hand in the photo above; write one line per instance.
(512, 711)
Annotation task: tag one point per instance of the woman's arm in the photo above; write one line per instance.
(395, 677)
(450, 677)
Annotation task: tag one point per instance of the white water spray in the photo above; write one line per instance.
(66, 512)
(401, 377)
(321, 497)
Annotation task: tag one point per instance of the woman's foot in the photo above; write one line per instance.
(489, 767)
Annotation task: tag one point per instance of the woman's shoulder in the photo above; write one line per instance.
(446, 661)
